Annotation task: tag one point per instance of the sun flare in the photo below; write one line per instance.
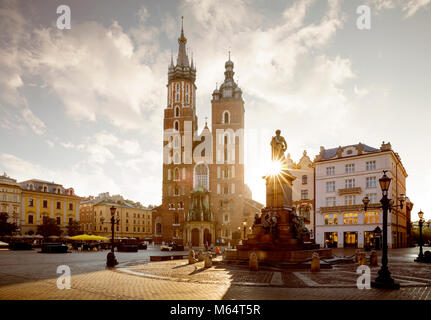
(275, 168)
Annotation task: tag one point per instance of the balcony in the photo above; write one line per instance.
(346, 191)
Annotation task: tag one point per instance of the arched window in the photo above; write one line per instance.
(201, 176)
(177, 141)
(177, 158)
(177, 93)
(176, 125)
(158, 228)
(226, 117)
(177, 111)
(176, 174)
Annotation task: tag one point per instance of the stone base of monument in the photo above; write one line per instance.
(276, 255)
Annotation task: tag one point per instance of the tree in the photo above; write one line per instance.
(74, 228)
(49, 228)
(6, 228)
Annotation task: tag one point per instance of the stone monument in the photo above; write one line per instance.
(278, 234)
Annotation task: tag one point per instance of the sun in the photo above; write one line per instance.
(274, 168)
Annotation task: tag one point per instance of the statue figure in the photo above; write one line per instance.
(299, 227)
(278, 147)
(257, 220)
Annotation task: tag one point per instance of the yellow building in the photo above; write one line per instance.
(10, 198)
(134, 219)
(41, 200)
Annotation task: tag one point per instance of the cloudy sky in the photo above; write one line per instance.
(83, 107)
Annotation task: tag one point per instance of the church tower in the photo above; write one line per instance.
(227, 183)
(179, 125)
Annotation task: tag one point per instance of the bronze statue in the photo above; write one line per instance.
(278, 147)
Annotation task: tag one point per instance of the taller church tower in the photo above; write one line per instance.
(179, 125)
(227, 183)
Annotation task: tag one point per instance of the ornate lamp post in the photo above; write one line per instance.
(111, 260)
(384, 280)
(420, 257)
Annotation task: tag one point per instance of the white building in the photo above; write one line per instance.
(303, 189)
(343, 177)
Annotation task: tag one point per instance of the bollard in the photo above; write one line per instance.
(208, 261)
(373, 259)
(253, 262)
(362, 259)
(315, 262)
(192, 258)
(357, 253)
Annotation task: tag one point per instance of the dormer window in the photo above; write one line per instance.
(45, 189)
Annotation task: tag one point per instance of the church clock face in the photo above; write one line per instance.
(227, 93)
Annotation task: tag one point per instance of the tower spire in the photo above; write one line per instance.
(182, 54)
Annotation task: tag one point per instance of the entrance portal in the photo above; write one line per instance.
(207, 237)
(195, 237)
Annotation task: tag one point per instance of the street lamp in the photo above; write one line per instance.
(245, 228)
(111, 260)
(384, 280)
(420, 257)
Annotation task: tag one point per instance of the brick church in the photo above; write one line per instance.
(204, 199)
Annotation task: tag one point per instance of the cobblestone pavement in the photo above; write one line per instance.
(29, 275)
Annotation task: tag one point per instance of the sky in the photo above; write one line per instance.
(84, 106)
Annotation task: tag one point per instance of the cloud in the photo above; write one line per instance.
(414, 5)
(410, 7)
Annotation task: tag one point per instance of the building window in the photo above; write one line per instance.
(371, 217)
(31, 202)
(372, 197)
(70, 206)
(70, 220)
(127, 229)
(330, 171)
(177, 125)
(58, 220)
(226, 218)
(176, 174)
(201, 176)
(176, 191)
(177, 112)
(304, 194)
(30, 219)
(226, 117)
(45, 219)
(330, 202)
(349, 200)
(187, 94)
(371, 165)
(330, 186)
(304, 179)
(350, 218)
(225, 189)
(350, 168)
(331, 218)
(58, 205)
(45, 203)
(371, 182)
(349, 183)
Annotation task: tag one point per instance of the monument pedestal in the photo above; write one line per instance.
(278, 235)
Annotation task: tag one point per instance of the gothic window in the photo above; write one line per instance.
(177, 93)
(177, 125)
(226, 117)
(177, 158)
(176, 174)
(187, 94)
(177, 141)
(177, 112)
(201, 176)
(177, 191)
(225, 189)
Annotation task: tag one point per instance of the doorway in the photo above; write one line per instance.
(195, 237)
